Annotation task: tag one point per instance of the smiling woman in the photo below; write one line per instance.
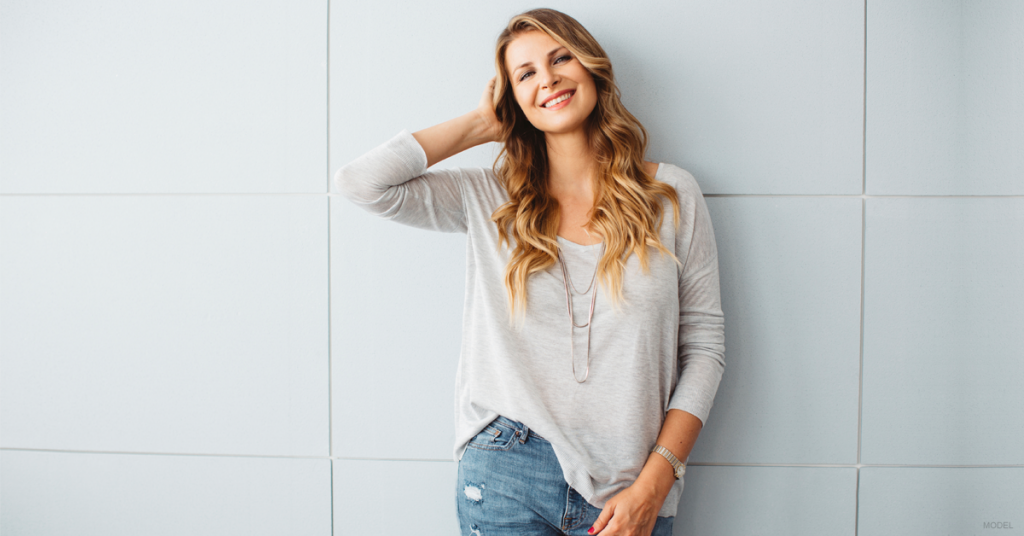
(565, 424)
(586, 154)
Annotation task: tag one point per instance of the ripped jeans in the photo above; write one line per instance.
(510, 484)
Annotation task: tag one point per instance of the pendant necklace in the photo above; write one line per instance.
(567, 282)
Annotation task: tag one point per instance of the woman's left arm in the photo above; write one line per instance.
(634, 510)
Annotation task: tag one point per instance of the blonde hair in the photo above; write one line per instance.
(627, 211)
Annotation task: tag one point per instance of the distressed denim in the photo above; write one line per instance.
(510, 484)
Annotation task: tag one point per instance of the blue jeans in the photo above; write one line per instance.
(510, 483)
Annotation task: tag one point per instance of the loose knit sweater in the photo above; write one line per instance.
(664, 349)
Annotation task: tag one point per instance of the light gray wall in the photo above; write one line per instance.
(196, 337)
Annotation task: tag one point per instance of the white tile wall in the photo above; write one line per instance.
(422, 64)
(949, 500)
(768, 500)
(945, 97)
(396, 311)
(172, 324)
(187, 346)
(99, 494)
(751, 97)
(790, 268)
(196, 96)
(944, 331)
(395, 497)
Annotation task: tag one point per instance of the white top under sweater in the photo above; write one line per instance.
(664, 350)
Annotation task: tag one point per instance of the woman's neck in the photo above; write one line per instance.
(571, 166)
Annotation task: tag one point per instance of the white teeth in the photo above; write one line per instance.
(558, 100)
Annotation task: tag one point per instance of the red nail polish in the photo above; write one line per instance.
(590, 530)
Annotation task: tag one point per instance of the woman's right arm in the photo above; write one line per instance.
(392, 180)
(456, 135)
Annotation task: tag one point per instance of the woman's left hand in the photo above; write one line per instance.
(633, 512)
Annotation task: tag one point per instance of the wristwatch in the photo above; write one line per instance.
(678, 466)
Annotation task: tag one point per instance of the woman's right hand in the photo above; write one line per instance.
(490, 126)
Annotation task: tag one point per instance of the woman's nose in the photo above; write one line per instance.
(549, 79)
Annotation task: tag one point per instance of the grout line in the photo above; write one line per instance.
(328, 176)
(864, 112)
(327, 126)
(863, 249)
(138, 453)
(330, 387)
(164, 194)
(855, 465)
(365, 459)
(733, 464)
(332, 496)
(447, 460)
(329, 194)
(860, 372)
(856, 504)
(866, 196)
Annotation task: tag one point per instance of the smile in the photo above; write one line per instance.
(559, 102)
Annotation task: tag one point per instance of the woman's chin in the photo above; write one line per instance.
(558, 130)
(556, 125)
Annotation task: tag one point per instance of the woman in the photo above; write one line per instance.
(574, 408)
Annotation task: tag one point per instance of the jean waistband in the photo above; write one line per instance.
(518, 426)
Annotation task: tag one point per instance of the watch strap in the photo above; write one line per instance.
(678, 466)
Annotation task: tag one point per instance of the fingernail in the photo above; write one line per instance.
(590, 530)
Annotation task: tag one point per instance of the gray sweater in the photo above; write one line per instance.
(664, 349)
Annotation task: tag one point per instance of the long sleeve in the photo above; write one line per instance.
(392, 181)
(701, 321)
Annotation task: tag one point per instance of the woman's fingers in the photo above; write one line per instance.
(602, 520)
(486, 109)
(488, 97)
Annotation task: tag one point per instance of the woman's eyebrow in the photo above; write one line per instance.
(552, 53)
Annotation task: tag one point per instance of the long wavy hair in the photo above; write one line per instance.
(627, 212)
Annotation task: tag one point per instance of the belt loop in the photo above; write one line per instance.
(525, 434)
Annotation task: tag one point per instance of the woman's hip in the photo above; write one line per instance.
(510, 482)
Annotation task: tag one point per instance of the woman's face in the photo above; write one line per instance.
(539, 68)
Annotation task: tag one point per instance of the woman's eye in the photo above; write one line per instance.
(557, 60)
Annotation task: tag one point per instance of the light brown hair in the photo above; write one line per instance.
(627, 211)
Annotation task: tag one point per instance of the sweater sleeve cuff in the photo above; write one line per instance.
(396, 161)
(697, 387)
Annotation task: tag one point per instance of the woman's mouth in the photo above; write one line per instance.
(559, 102)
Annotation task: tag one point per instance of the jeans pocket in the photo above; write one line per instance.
(495, 436)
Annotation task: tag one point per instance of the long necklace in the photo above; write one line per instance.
(567, 281)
